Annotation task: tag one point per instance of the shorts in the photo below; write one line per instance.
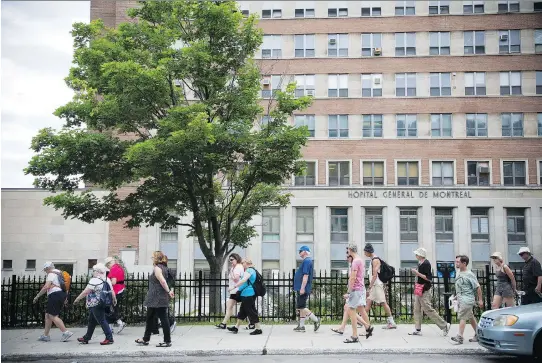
(377, 294)
(504, 290)
(465, 312)
(356, 299)
(301, 301)
(55, 302)
(235, 297)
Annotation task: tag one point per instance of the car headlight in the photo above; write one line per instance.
(505, 320)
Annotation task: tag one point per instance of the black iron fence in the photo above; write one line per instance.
(194, 296)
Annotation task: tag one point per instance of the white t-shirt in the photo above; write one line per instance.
(370, 274)
(53, 278)
(236, 273)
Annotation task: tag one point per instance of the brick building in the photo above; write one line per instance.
(426, 131)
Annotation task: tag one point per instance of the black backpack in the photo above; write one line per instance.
(170, 279)
(387, 272)
(258, 286)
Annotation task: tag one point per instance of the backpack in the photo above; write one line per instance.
(387, 272)
(170, 279)
(258, 286)
(64, 280)
(106, 295)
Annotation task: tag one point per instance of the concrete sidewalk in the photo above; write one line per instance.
(198, 340)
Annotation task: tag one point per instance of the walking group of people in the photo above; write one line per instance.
(108, 279)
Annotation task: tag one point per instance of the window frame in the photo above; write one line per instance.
(538, 45)
(511, 126)
(332, 161)
(538, 82)
(439, 46)
(478, 161)
(441, 89)
(406, 129)
(305, 9)
(442, 7)
(408, 218)
(508, 42)
(444, 217)
(513, 161)
(473, 4)
(338, 217)
(432, 163)
(476, 90)
(539, 171)
(418, 163)
(340, 11)
(372, 162)
(306, 86)
(406, 88)
(371, 11)
(294, 177)
(340, 78)
(508, 7)
(275, 9)
(338, 46)
(539, 123)
(373, 130)
(305, 49)
(372, 77)
(338, 129)
(405, 5)
(372, 42)
(475, 46)
(476, 128)
(441, 128)
(515, 218)
(510, 86)
(374, 218)
(306, 122)
(404, 46)
(479, 217)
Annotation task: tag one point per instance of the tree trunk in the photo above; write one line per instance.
(216, 290)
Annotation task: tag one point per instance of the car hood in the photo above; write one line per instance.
(516, 310)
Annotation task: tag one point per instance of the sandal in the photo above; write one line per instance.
(163, 345)
(369, 332)
(337, 331)
(352, 340)
(141, 342)
(221, 326)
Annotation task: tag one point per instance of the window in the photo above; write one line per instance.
(271, 84)
(512, 124)
(169, 239)
(372, 125)
(272, 46)
(405, 7)
(479, 225)
(443, 173)
(90, 265)
(539, 82)
(339, 173)
(540, 171)
(473, 7)
(309, 175)
(439, 7)
(405, 44)
(407, 173)
(374, 225)
(7, 264)
(304, 45)
(30, 264)
(63, 266)
(304, 9)
(371, 85)
(539, 119)
(305, 228)
(405, 84)
(337, 125)
(337, 85)
(406, 125)
(305, 120)
(477, 124)
(515, 225)
(339, 236)
(478, 173)
(271, 234)
(371, 44)
(439, 43)
(373, 173)
(538, 41)
(266, 119)
(245, 13)
(474, 42)
(509, 41)
(441, 125)
(510, 83)
(514, 173)
(371, 11)
(441, 84)
(538, 6)
(271, 9)
(508, 6)
(475, 84)
(337, 45)
(304, 85)
(444, 225)
(340, 9)
(408, 224)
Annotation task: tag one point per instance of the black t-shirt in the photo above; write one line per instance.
(531, 271)
(425, 269)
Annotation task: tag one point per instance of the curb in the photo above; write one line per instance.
(242, 352)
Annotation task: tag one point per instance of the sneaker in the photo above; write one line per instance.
(107, 342)
(474, 339)
(299, 329)
(66, 335)
(44, 338)
(458, 339)
(121, 327)
(82, 340)
(256, 332)
(446, 330)
(172, 327)
(390, 326)
(416, 332)
(317, 325)
(233, 329)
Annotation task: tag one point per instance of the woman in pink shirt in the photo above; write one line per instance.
(116, 275)
(235, 275)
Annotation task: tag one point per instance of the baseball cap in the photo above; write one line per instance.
(524, 250)
(108, 260)
(48, 264)
(304, 248)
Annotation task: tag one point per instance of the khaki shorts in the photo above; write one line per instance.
(465, 312)
(377, 294)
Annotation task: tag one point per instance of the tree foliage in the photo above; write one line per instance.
(180, 80)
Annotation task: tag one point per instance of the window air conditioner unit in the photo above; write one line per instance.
(266, 82)
(310, 92)
(378, 80)
(503, 38)
(177, 82)
(483, 169)
(332, 41)
(377, 51)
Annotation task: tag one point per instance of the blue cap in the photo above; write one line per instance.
(304, 248)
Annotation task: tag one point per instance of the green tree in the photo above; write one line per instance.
(203, 159)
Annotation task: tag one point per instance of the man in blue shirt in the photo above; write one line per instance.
(303, 287)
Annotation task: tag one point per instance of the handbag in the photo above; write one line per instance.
(418, 289)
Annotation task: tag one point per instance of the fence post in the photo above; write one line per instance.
(200, 292)
(488, 288)
(294, 315)
(12, 297)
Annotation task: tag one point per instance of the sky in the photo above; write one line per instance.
(36, 57)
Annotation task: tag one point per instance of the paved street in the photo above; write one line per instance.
(357, 358)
